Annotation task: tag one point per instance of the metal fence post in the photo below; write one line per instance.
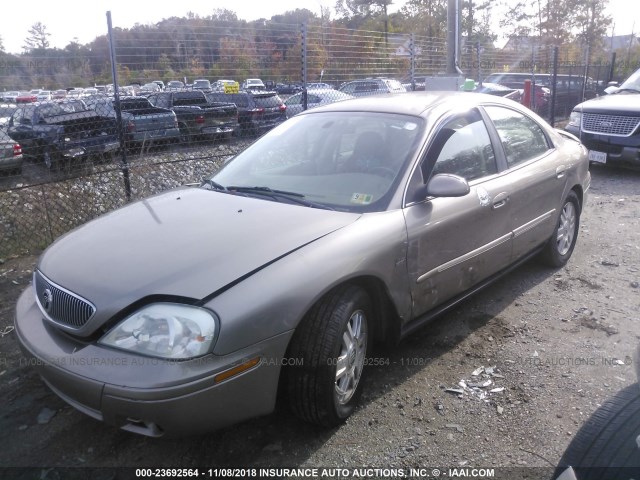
(116, 90)
(412, 54)
(478, 55)
(554, 87)
(303, 33)
(612, 69)
(586, 73)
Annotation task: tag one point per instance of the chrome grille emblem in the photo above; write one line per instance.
(60, 305)
(47, 299)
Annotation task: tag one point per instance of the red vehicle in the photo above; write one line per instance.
(26, 97)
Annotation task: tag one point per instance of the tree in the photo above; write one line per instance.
(590, 22)
(38, 37)
(1, 45)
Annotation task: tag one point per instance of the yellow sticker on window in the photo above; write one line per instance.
(361, 198)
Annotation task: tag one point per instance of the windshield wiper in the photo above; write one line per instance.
(634, 90)
(214, 185)
(294, 197)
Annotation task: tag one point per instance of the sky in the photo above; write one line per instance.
(83, 20)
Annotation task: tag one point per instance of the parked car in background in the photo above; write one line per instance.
(160, 84)
(75, 93)
(226, 86)
(372, 86)
(201, 84)
(315, 98)
(258, 111)
(351, 224)
(44, 96)
(26, 97)
(143, 123)
(10, 96)
(59, 94)
(495, 89)
(319, 85)
(148, 89)
(288, 88)
(62, 133)
(253, 84)
(86, 92)
(609, 126)
(129, 90)
(10, 154)
(6, 112)
(174, 86)
(197, 117)
(570, 89)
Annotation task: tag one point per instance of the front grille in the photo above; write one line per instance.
(60, 305)
(615, 125)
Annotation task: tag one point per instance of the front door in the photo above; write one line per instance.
(456, 242)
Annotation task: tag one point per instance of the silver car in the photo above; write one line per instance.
(11, 159)
(315, 98)
(349, 224)
(372, 86)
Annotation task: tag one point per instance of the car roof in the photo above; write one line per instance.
(414, 103)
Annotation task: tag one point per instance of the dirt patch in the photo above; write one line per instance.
(553, 345)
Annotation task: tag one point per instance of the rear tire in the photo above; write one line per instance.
(607, 446)
(331, 346)
(558, 250)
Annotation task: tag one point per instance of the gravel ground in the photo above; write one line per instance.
(544, 348)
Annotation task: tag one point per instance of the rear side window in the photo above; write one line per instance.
(269, 101)
(366, 87)
(522, 138)
(159, 100)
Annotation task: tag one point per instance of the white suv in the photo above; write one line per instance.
(253, 84)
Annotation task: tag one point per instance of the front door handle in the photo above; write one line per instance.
(500, 200)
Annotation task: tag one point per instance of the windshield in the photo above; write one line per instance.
(346, 161)
(633, 82)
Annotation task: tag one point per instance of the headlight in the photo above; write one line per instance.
(575, 119)
(165, 330)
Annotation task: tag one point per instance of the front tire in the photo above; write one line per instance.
(607, 446)
(560, 246)
(331, 346)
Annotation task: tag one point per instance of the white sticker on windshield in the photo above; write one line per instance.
(361, 198)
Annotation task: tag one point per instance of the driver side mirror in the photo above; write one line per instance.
(443, 185)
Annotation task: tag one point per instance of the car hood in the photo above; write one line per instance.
(614, 103)
(188, 242)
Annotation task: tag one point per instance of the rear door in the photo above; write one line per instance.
(539, 179)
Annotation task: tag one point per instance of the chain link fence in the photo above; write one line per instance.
(86, 130)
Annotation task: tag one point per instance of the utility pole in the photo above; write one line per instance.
(453, 37)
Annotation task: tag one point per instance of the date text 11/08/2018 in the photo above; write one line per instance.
(368, 472)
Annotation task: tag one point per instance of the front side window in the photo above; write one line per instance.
(462, 147)
(522, 138)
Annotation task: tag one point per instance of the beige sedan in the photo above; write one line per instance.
(349, 224)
